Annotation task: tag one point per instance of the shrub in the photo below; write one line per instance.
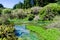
(35, 10)
(36, 17)
(31, 17)
(13, 14)
(19, 13)
(0, 11)
(49, 14)
(6, 11)
(49, 11)
(7, 32)
(4, 19)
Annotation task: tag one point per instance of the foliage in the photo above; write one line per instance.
(31, 17)
(55, 23)
(25, 13)
(50, 11)
(6, 11)
(35, 10)
(43, 2)
(18, 13)
(1, 6)
(32, 3)
(4, 19)
(27, 4)
(1, 11)
(7, 33)
(18, 6)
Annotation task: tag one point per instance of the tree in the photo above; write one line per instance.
(1, 6)
(58, 2)
(27, 4)
(43, 2)
(0, 11)
(31, 3)
(19, 5)
(14, 6)
(53, 1)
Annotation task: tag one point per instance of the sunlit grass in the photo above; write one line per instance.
(49, 34)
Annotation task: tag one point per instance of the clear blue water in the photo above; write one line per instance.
(21, 31)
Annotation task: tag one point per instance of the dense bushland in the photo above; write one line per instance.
(39, 16)
(41, 13)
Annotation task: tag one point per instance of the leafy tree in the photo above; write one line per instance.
(0, 11)
(19, 5)
(58, 2)
(6, 11)
(31, 3)
(1, 6)
(43, 2)
(14, 6)
(27, 4)
(52, 1)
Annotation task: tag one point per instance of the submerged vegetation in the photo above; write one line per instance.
(43, 20)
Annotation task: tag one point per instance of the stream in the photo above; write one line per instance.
(22, 32)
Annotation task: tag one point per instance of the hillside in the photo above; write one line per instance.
(31, 21)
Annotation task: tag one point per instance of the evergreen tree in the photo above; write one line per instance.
(19, 5)
(31, 3)
(1, 6)
(43, 2)
(27, 4)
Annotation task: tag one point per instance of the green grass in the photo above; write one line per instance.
(43, 34)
